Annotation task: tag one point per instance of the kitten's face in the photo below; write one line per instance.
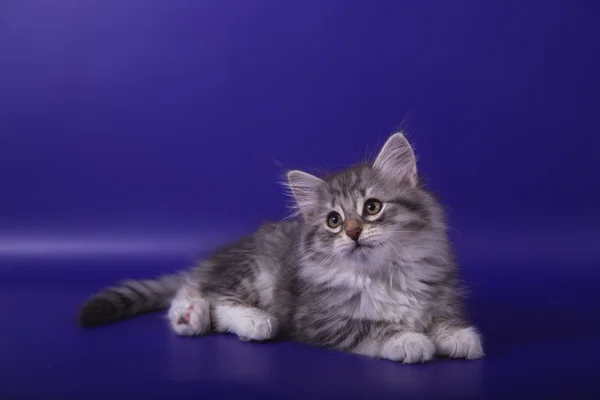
(364, 214)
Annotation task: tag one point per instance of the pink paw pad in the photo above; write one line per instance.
(185, 319)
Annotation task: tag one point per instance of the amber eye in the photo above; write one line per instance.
(372, 207)
(334, 220)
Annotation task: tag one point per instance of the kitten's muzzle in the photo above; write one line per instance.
(353, 229)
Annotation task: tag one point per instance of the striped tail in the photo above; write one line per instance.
(129, 298)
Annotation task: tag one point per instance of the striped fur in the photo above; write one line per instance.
(129, 298)
(391, 291)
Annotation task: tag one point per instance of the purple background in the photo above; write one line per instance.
(136, 135)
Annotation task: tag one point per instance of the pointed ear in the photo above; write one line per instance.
(397, 160)
(305, 189)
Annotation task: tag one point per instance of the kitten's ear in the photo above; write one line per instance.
(397, 160)
(305, 189)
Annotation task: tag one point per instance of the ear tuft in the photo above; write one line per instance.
(397, 160)
(305, 189)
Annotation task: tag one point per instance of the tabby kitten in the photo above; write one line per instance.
(367, 269)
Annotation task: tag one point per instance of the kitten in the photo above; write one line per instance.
(367, 269)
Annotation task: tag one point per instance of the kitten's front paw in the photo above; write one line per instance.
(409, 348)
(461, 343)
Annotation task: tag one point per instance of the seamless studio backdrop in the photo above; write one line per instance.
(136, 136)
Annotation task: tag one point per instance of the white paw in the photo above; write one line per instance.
(256, 327)
(248, 323)
(189, 316)
(462, 343)
(409, 348)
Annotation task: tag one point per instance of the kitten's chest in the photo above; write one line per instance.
(394, 301)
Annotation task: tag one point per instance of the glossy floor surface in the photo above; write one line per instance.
(542, 330)
(136, 133)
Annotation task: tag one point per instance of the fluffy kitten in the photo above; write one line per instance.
(366, 269)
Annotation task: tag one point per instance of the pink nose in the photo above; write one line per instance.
(354, 233)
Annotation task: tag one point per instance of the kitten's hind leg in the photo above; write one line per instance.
(248, 323)
(189, 313)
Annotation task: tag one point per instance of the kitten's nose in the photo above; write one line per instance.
(353, 229)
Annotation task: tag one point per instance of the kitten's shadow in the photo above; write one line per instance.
(507, 328)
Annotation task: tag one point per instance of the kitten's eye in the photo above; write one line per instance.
(334, 220)
(372, 206)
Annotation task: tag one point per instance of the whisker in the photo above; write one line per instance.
(412, 261)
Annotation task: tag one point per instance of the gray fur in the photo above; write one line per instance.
(394, 293)
(129, 298)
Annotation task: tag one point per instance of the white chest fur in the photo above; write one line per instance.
(386, 300)
(394, 298)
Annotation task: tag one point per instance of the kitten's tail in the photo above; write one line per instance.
(129, 298)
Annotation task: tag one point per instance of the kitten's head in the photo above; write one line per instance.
(367, 212)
